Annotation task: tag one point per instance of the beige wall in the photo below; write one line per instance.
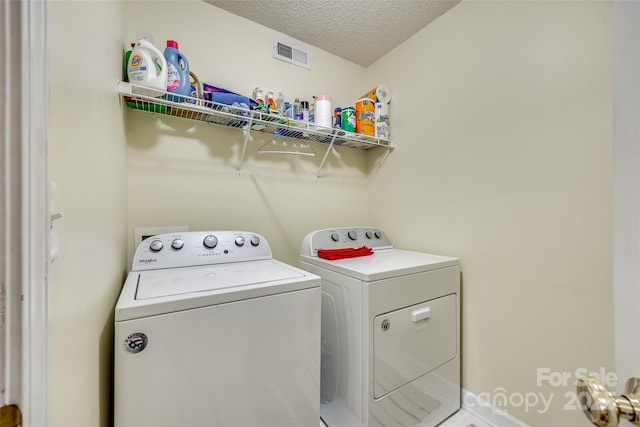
(88, 163)
(504, 128)
(502, 116)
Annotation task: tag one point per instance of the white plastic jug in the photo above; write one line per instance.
(148, 67)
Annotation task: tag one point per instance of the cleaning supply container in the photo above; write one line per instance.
(177, 72)
(323, 111)
(147, 67)
(127, 55)
(348, 119)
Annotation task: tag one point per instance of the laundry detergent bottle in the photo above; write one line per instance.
(147, 67)
(177, 72)
(127, 55)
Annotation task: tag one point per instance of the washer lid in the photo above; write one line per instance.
(158, 292)
(384, 264)
(221, 277)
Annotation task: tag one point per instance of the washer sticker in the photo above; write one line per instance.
(136, 342)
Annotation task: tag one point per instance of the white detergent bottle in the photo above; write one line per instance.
(147, 67)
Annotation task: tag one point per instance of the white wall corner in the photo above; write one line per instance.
(487, 412)
(626, 106)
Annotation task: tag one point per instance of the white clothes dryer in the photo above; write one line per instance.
(211, 331)
(390, 331)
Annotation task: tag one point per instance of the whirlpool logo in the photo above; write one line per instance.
(147, 260)
(136, 342)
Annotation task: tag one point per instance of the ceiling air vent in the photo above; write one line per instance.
(291, 54)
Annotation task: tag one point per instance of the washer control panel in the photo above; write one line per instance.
(347, 237)
(191, 248)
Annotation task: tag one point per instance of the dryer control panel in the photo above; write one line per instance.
(191, 248)
(346, 237)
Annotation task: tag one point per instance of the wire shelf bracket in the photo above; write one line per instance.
(162, 103)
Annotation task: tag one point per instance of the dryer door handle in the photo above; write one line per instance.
(420, 314)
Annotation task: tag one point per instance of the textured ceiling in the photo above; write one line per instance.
(360, 31)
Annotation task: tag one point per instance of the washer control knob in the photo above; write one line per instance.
(335, 237)
(156, 246)
(352, 235)
(369, 234)
(177, 244)
(255, 241)
(378, 234)
(239, 241)
(210, 241)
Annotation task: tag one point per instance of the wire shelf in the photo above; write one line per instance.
(160, 102)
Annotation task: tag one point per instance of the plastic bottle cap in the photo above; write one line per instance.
(172, 43)
(323, 97)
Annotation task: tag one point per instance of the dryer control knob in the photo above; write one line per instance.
(255, 241)
(352, 235)
(177, 244)
(156, 246)
(239, 241)
(378, 235)
(369, 234)
(210, 241)
(335, 237)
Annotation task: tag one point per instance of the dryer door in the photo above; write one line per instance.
(412, 341)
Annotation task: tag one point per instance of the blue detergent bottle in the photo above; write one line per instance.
(177, 72)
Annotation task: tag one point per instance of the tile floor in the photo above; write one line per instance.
(463, 418)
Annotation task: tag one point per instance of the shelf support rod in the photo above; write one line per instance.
(247, 135)
(379, 163)
(326, 154)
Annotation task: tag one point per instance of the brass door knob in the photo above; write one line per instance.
(603, 408)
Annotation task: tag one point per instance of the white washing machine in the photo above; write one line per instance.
(211, 331)
(390, 331)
